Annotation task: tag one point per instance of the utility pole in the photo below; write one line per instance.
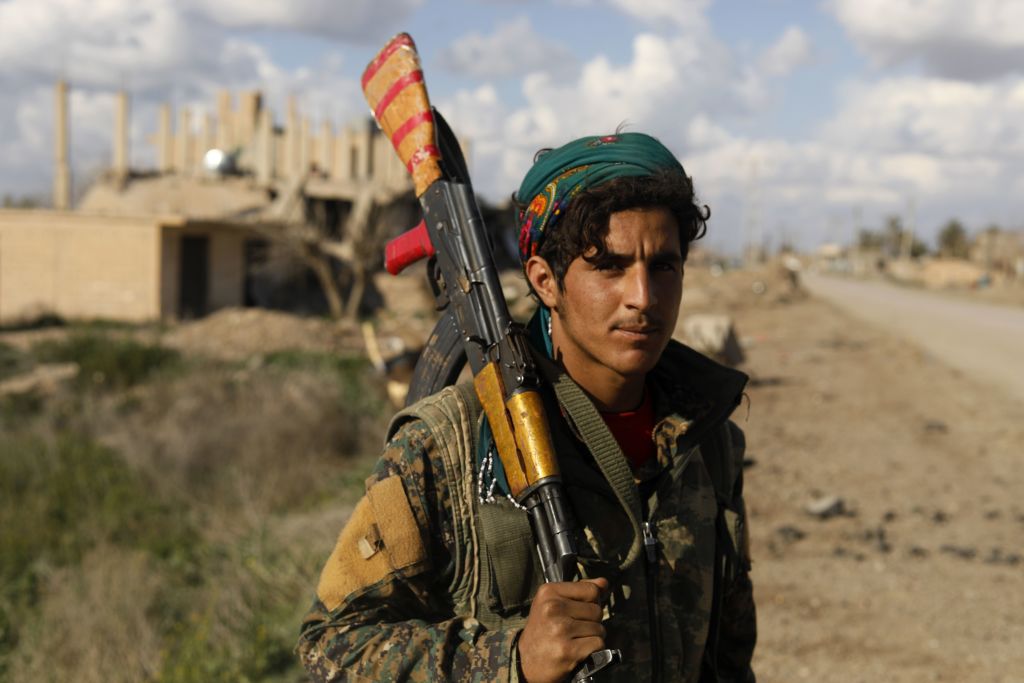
(752, 227)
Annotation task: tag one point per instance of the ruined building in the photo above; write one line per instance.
(237, 211)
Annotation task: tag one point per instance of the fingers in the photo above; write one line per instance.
(586, 590)
(584, 647)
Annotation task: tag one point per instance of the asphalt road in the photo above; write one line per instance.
(981, 340)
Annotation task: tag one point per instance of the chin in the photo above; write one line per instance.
(636, 363)
(639, 359)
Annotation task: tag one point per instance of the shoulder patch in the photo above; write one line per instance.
(380, 538)
(399, 533)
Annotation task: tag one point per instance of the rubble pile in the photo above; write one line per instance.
(715, 289)
(239, 333)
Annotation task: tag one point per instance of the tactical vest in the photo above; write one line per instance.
(496, 569)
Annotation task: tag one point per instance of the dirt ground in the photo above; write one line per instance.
(918, 579)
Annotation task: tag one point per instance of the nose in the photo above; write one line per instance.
(639, 292)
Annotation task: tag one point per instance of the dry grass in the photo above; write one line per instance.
(93, 623)
(169, 524)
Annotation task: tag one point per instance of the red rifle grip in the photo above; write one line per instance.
(408, 248)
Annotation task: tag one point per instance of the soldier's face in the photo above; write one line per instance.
(615, 316)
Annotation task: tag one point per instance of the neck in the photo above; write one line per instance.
(610, 391)
(613, 397)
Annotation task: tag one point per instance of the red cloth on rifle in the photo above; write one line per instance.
(634, 430)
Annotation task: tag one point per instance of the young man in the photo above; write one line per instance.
(434, 577)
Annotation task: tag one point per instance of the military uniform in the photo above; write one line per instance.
(431, 579)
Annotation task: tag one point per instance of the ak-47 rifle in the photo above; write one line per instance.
(476, 324)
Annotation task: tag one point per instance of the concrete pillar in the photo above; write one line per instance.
(205, 141)
(291, 138)
(326, 148)
(183, 142)
(280, 145)
(122, 163)
(305, 146)
(342, 169)
(364, 154)
(265, 147)
(225, 122)
(247, 119)
(164, 141)
(62, 171)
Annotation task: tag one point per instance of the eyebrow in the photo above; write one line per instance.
(664, 256)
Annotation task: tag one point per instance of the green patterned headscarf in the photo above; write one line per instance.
(561, 174)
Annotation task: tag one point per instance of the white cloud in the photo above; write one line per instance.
(515, 48)
(946, 148)
(355, 20)
(688, 15)
(933, 116)
(791, 50)
(969, 40)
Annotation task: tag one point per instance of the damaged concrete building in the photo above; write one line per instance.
(238, 211)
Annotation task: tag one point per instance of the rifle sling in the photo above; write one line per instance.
(602, 445)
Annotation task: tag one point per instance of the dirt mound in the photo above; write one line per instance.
(714, 289)
(239, 333)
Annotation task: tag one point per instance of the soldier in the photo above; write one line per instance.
(434, 577)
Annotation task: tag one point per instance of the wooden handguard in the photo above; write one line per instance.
(393, 86)
(520, 429)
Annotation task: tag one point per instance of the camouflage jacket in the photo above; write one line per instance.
(400, 597)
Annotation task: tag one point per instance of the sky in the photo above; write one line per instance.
(799, 121)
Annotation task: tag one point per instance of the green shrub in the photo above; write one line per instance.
(15, 409)
(13, 361)
(195, 653)
(40, 322)
(59, 499)
(353, 372)
(108, 363)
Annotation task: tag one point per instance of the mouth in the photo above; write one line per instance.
(638, 332)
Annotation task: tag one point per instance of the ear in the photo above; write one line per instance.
(542, 279)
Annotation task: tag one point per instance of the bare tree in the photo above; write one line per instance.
(344, 257)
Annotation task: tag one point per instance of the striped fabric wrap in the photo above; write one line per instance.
(394, 88)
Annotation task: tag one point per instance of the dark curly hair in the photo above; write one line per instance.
(584, 225)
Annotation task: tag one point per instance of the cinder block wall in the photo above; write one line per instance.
(78, 266)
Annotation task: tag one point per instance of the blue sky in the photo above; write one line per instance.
(794, 117)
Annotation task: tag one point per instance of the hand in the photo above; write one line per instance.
(563, 628)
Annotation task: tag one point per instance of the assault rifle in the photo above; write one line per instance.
(476, 325)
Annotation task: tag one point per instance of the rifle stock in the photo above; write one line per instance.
(394, 88)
